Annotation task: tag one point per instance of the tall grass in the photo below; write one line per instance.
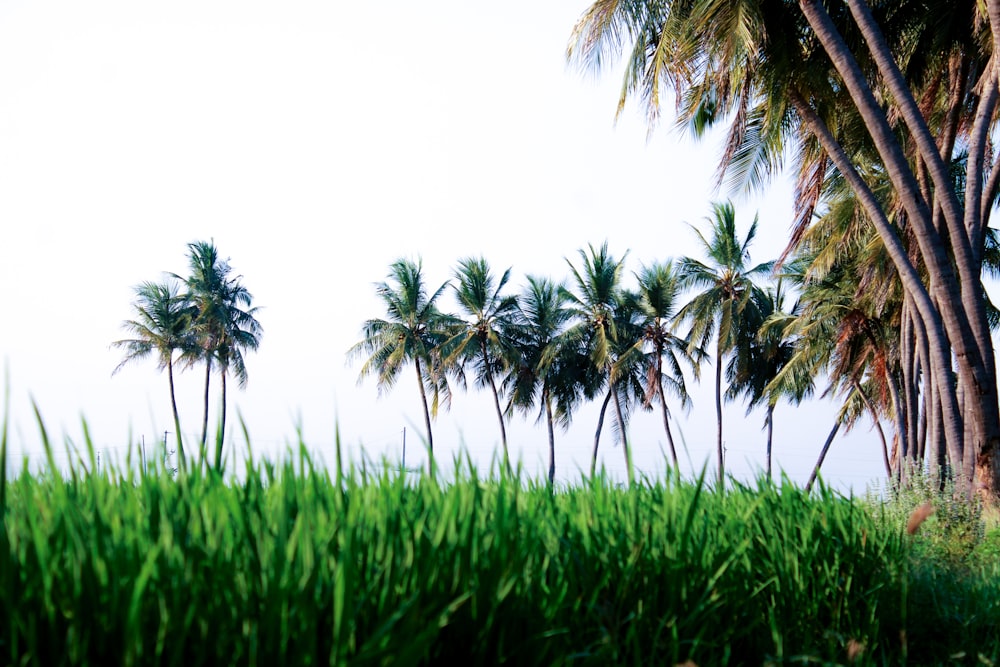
(288, 565)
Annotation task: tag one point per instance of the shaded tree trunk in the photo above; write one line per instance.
(221, 437)
(496, 402)
(822, 455)
(597, 434)
(177, 419)
(666, 422)
(718, 415)
(204, 420)
(770, 432)
(621, 429)
(427, 418)
(552, 436)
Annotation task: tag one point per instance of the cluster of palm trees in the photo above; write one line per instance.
(887, 113)
(557, 344)
(205, 317)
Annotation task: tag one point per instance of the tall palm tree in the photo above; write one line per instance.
(598, 293)
(898, 94)
(225, 325)
(411, 333)
(657, 298)
(484, 339)
(549, 371)
(729, 300)
(162, 327)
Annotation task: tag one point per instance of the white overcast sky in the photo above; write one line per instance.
(316, 142)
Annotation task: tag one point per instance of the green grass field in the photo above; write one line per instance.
(289, 564)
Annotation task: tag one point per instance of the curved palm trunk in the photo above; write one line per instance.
(962, 311)
(552, 436)
(597, 435)
(934, 326)
(204, 419)
(822, 455)
(496, 405)
(221, 437)
(177, 419)
(718, 414)
(621, 429)
(770, 433)
(427, 418)
(666, 425)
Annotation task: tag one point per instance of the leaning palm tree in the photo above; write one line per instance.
(484, 339)
(162, 327)
(597, 293)
(412, 333)
(729, 298)
(657, 298)
(225, 325)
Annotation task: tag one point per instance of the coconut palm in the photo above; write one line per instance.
(411, 333)
(162, 327)
(729, 300)
(656, 299)
(225, 326)
(598, 293)
(484, 339)
(549, 371)
(900, 94)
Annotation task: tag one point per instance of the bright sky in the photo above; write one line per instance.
(316, 142)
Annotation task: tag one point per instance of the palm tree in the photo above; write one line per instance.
(549, 370)
(827, 79)
(657, 301)
(730, 299)
(412, 333)
(484, 339)
(225, 325)
(598, 294)
(162, 327)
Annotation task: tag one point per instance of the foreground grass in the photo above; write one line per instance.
(289, 564)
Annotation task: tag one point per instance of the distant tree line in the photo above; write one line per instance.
(554, 345)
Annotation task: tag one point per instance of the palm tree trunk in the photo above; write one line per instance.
(621, 429)
(177, 419)
(718, 414)
(597, 435)
(960, 297)
(503, 429)
(770, 433)
(427, 418)
(939, 347)
(666, 424)
(552, 436)
(822, 455)
(204, 420)
(221, 437)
